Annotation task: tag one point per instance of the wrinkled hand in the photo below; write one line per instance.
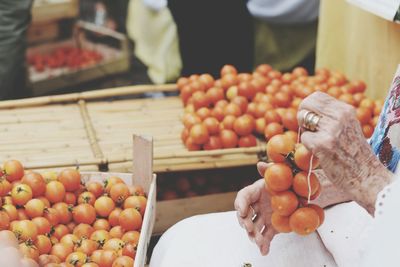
(344, 154)
(10, 255)
(255, 199)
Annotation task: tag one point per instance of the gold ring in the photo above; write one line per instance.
(310, 121)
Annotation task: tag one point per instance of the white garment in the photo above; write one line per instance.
(217, 240)
(156, 4)
(284, 11)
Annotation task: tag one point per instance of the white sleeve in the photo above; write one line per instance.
(284, 11)
(382, 248)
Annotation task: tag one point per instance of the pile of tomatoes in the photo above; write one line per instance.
(59, 221)
(231, 111)
(68, 56)
(291, 184)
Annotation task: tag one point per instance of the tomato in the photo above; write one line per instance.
(214, 142)
(84, 213)
(215, 94)
(60, 231)
(14, 170)
(200, 100)
(100, 237)
(278, 147)
(25, 230)
(4, 221)
(247, 141)
(278, 177)
(203, 113)
(22, 214)
(184, 135)
(76, 258)
(123, 261)
(49, 260)
(55, 192)
(212, 125)
(70, 198)
(280, 223)
(42, 224)
(364, 115)
(113, 218)
(228, 122)
(49, 176)
(320, 212)
(232, 109)
(231, 93)
(71, 226)
(108, 184)
(272, 129)
(71, 179)
(130, 219)
(272, 116)
(263, 69)
(87, 197)
(36, 182)
(247, 90)
(11, 212)
(34, 208)
(116, 232)
(368, 130)
(260, 125)
(272, 89)
(244, 125)
(289, 119)
(43, 244)
(114, 244)
(5, 187)
(52, 216)
(45, 201)
(302, 158)
(228, 69)
(28, 250)
(104, 258)
(129, 249)
(198, 86)
(90, 264)
(61, 251)
(182, 81)
(64, 212)
(191, 146)
(87, 246)
(21, 194)
(300, 184)
(70, 240)
(190, 119)
(304, 221)
(252, 109)
(131, 236)
(134, 202)
(83, 230)
(119, 192)
(261, 109)
(284, 203)
(95, 188)
(104, 206)
(229, 139)
(101, 224)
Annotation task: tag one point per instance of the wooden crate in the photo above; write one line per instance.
(92, 130)
(52, 10)
(115, 60)
(142, 175)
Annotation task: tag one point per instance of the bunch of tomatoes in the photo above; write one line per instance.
(68, 56)
(236, 108)
(59, 221)
(291, 184)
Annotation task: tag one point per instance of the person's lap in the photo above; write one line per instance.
(218, 240)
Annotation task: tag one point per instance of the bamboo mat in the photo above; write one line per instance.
(94, 132)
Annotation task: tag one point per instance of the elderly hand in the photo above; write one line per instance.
(252, 200)
(10, 255)
(344, 154)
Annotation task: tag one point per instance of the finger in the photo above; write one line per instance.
(262, 167)
(248, 224)
(268, 236)
(319, 103)
(308, 140)
(246, 197)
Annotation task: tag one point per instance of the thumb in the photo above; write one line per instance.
(262, 167)
(247, 196)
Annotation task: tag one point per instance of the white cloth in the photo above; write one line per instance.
(218, 240)
(284, 11)
(382, 248)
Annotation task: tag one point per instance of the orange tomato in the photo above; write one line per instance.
(229, 138)
(83, 230)
(21, 194)
(104, 206)
(95, 188)
(43, 244)
(84, 213)
(123, 261)
(71, 179)
(43, 225)
(280, 223)
(130, 219)
(119, 192)
(279, 177)
(34, 208)
(36, 183)
(14, 170)
(55, 192)
(284, 203)
(300, 184)
(278, 147)
(304, 221)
